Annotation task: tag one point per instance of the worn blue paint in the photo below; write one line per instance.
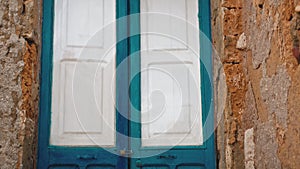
(122, 83)
(45, 85)
(207, 80)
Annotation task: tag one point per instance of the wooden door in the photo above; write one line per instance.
(151, 112)
(170, 48)
(81, 92)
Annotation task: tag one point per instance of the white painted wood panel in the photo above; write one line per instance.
(82, 98)
(170, 78)
(84, 20)
(166, 31)
(83, 88)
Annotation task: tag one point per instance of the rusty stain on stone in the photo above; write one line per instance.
(29, 76)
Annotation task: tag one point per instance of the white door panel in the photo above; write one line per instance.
(166, 31)
(84, 19)
(83, 87)
(84, 24)
(170, 78)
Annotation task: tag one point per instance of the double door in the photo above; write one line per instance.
(125, 84)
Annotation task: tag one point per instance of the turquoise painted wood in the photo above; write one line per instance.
(189, 157)
(55, 157)
(183, 157)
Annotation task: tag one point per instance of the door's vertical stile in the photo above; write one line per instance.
(135, 76)
(122, 82)
(206, 58)
(45, 86)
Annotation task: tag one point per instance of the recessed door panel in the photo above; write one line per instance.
(163, 24)
(190, 167)
(79, 100)
(84, 20)
(63, 167)
(100, 167)
(155, 167)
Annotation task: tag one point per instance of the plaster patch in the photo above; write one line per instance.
(242, 42)
(250, 115)
(249, 149)
(274, 91)
(1, 15)
(266, 146)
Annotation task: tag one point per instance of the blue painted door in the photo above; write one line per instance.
(158, 47)
(171, 91)
(80, 123)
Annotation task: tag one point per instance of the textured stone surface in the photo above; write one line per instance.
(259, 27)
(250, 116)
(274, 92)
(259, 45)
(242, 42)
(18, 82)
(266, 146)
(249, 149)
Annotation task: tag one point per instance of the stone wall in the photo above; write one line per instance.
(258, 45)
(19, 82)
